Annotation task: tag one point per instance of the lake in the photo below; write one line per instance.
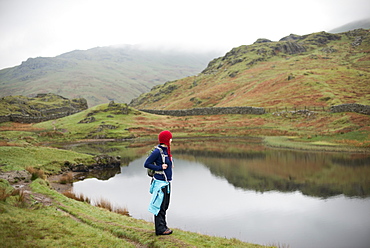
(238, 188)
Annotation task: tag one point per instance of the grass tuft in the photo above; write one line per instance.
(36, 173)
(102, 203)
(21, 200)
(80, 197)
(66, 178)
(4, 193)
(122, 211)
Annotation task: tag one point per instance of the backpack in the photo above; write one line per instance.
(151, 172)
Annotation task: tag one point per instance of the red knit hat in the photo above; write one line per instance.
(164, 138)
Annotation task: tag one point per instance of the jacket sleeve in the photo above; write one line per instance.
(154, 161)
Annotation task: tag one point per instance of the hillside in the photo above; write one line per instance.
(319, 69)
(101, 74)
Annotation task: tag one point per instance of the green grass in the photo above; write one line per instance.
(49, 159)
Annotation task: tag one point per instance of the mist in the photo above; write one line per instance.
(35, 28)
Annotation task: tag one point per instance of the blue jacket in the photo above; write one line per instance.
(157, 195)
(154, 162)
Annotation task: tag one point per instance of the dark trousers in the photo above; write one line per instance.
(160, 220)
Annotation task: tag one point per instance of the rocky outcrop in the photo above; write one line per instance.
(101, 162)
(40, 108)
(289, 47)
(15, 176)
(262, 40)
(291, 37)
(321, 38)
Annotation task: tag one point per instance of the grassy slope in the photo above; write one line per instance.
(100, 74)
(69, 223)
(256, 75)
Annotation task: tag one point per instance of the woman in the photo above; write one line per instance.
(160, 160)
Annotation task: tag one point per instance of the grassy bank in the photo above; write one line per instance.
(51, 160)
(58, 221)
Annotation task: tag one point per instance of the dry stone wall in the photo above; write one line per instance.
(351, 107)
(208, 111)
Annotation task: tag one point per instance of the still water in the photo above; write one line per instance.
(257, 195)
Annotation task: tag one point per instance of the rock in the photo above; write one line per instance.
(357, 42)
(80, 168)
(328, 50)
(262, 40)
(321, 38)
(106, 161)
(101, 162)
(290, 47)
(291, 37)
(87, 120)
(112, 104)
(16, 176)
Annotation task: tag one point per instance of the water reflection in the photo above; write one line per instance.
(246, 163)
(314, 174)
(101, 174)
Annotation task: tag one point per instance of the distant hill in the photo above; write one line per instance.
(101, 74)
(319, 69)
(365, 24)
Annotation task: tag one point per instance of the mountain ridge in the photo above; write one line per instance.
(319, 69)
(101, 74)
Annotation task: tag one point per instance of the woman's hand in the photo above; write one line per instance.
(164, 166)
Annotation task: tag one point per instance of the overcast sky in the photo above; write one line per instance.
(47, 28)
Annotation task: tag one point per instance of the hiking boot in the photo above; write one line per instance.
(167, 232)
